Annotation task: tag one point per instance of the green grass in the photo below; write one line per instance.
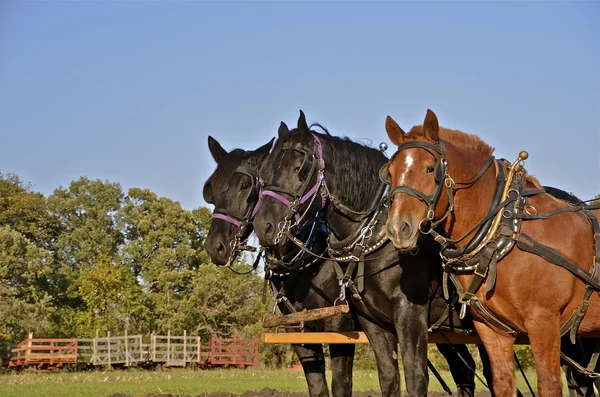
(138, 383)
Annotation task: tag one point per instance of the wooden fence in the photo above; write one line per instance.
(129, 350)
(44, 352)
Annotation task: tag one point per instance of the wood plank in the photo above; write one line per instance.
(361, 338)
(314, 337)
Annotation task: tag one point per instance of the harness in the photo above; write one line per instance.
(497, 233)
(242, 223)
(367, 238)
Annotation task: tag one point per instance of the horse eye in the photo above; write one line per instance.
(430, 169)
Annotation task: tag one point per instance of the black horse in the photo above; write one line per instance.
(311, 175)
(233, 189)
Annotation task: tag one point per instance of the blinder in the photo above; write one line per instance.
(207, 192)
(306, 167)
(384, 174)
(438, 173)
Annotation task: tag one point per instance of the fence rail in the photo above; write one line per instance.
(43, 352)
(129, 350)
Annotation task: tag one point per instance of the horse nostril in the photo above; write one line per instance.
(405, 230)
(220, 249)
(399, 230)
(269, 228)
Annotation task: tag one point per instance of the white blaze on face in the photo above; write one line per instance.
(408, 162)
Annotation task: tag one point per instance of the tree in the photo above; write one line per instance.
(164, 249)
(114, 300)
(24, 303)
(24, 210)
(596, 200)
(90, 230)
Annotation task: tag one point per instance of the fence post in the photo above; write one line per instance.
(199, 350)
(184, 348)
(126, 351)
(153, 347)
(168, 347)
(94, 359)
(108, 334)
(28, 351)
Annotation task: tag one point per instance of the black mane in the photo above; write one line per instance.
(355, 167)
(226, 169)
(350, 167)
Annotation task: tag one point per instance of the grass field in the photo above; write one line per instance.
(138, 383)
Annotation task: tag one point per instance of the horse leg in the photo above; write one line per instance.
(411, 328)
(499, 348)
(385, 347)
(313, 363)
(461, 373)
(544, 339)
(342, 358)
(487, 368)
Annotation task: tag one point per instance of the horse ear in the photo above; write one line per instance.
(283, 130)
(302, 125)
(431, 127)
(216, 150)
(207, 192)
(395, 133)
(262, 152)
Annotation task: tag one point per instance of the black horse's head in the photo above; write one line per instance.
(291, 192)
(233, 190)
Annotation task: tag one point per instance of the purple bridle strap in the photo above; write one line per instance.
(227, 218)
(312, 191)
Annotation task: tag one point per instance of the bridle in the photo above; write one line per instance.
(313, 164)
(242, 223)
(429, 200)
(443, 179)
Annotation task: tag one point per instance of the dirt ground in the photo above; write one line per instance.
(274, 393)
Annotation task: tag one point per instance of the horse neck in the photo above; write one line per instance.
(471, 203)
(366, 187)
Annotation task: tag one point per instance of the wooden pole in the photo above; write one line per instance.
(168, 346)
(305, 315)
(109, 358)
(199, 350)
(153, 347)
(29, 343)
(126, 351)
(184, 347)
(95, 349)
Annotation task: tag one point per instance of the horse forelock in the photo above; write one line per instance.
(226, 168)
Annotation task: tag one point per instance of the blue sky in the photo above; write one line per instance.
(129, 91)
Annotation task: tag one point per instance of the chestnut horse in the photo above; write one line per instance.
(545, 250)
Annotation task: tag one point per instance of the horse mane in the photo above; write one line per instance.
(476, 144)
(561, 202)
(353, 166)
(457, 137)
(356, 167)
(226, 169)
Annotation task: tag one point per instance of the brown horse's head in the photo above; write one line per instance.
(415, 175)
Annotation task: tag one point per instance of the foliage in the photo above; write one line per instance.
(91, 259)
(596, 200)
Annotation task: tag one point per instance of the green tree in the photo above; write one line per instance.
(114, 299)
(24, 210)
(164, 250)
(596, 200)
(24, 303)
(89, 227)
